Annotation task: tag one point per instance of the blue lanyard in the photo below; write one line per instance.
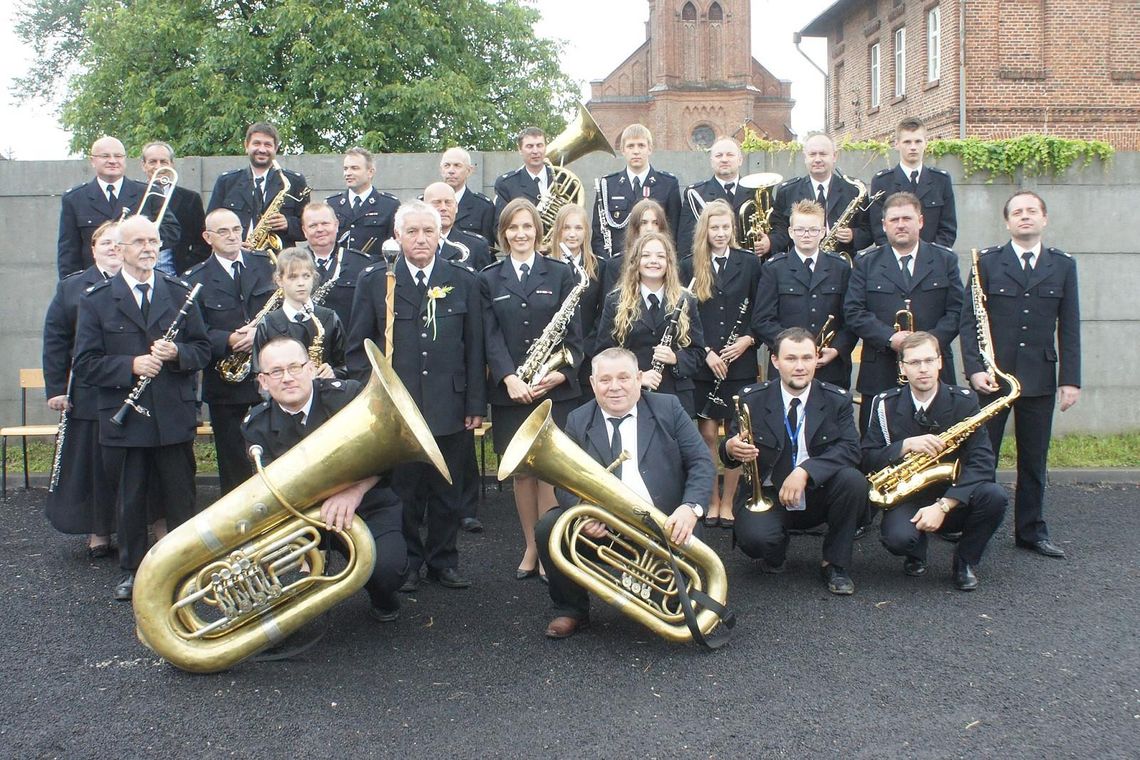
(794, 435)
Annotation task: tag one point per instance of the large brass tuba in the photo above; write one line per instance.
(631, 570)
(227, 583)
(581, 136)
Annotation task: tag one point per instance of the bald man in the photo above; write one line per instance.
(476, 211)
(455, 244)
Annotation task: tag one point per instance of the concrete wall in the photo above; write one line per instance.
(1090, 212)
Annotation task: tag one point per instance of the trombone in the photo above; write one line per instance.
(161, 184)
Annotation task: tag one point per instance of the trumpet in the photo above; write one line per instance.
(750, 470)
(825, 336)
(904, 318)
(161, 185)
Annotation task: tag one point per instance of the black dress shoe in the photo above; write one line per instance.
(1044, 547)
(471, 525)
(727, 523)
(837, 580)
(411, 582)
(522, 575)
(383, 615)
(914, 567)
(126, 588)
(564, 627)
(767, 567)
(964, 578)
(861, 531)
(448, 577)
(99, 551)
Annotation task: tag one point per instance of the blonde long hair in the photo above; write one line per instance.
(702, 253)
(629, 290)
(589, 260)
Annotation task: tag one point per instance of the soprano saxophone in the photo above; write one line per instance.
(916, 471)
(547, 353)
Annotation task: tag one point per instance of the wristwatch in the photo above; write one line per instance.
(944, 506)
(698, 510)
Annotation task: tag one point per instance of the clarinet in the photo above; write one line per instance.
(132, 399)
(670, 331)
(60, 436)
(714, 396)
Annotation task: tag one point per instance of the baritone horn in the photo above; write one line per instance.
(629, 569)
(581, 136)
(228, 583)
(756, 212)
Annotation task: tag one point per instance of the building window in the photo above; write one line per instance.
(715, 12)
(900, 62)
(934, 44)
(703, 136)
(689, 12)
(875, 69)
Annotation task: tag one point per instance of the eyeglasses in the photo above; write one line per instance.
(806, 231)
(921, 362)
(108, 156)
(292, 369)
(143, 242)
(226, 231)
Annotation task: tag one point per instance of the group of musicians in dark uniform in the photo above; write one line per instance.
(660, 313)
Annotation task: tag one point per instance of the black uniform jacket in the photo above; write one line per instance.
(224, 310)
(660, 186)
(346, 270)
(276, 323)
(671, 455)
(441, 364)
(367, 228)
(517, 184)
(840, 193)
(950, 405)
(791, 296)
(84, 208)
(829, 431)
(1035, 320)
(235, 190)
(59, 343)
(877, 290)
(111, 332)
(186, 205)
(935, 190)
(476, 214)
(709, 190)
(267, 425)
(644, 336)
(515, 316)
(721, 313)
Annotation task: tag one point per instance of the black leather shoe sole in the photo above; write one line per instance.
(125, 590)
(1045, 548)
(448, 581)
(471, 525)
(914, 567)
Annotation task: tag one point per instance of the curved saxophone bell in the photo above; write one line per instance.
(629, 569)
(228, 583)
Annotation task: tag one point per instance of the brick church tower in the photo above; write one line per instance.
(694, 78)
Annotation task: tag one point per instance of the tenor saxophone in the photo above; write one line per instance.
(547, 353)
(916, 471)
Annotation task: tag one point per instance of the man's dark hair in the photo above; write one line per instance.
(529, 132)
(910, 124)
(795, 335)
(1005, 209)
(263, 128)
(903, 198)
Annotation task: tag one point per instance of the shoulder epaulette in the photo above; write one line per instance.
(991, 249)
(1059, 252)
(760, 386)
(259, 409)
(777, 257)
(890, 392)
(493, 264)
(387, 194)
(69, 276)
(504, 175)
(73, 189)
(256, 254)
(232, 172)
(474, 235)
(463, 267)
(176, 281)
(941, 247)
(98, 286)
(865, 251)
(789, 182)
(834, 389)
(884, 172)
(664, 173)
(190, 272)
(937, 170)
(960, 389)
(479, 195)
(837, 256)
(355, 252)
(332, 385)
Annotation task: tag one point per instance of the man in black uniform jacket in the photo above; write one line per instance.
(726, 159)
(336, 263)
(476, 211)
(669, 466)
(622, 190)
(531, 180)
(931, 184)
(802, 288)
(1035, 320)
(438, 353)
(456, 245)
(907, 422)
(803, 433)
(824, 185)
(119, 339)
(364, 213)
(236, 284)
(883, 279)
(298, 405)
(84, 208)
(186, 205)
(249, 190)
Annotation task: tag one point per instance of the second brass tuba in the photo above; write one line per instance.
(227, 583)
(581, 136)
(632, 571)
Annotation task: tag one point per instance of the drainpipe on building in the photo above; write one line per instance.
(796, 39)
(962, 69)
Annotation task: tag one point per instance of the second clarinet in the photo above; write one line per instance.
(132, 399)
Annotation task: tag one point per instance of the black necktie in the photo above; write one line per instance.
(356, 203)
(787, 459)
(299, 316)
(297, 424)
(1027, 257)
(525, 270)
(260, 184)
(720, 261)
(111, 195)
(615, 442)
(324, 265)
(636, 187)
(144, 303)
(729, 190)
(654, 309)
(820, 197)
(904, 264)
(236, 266)
(810, 264)
(914, 181)
(538, 186)
(106, 275)
(421, 282)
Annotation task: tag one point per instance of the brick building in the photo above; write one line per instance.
(1061, 67)
(693, 79)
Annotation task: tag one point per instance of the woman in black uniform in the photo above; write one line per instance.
(724, 281)
(521, 294)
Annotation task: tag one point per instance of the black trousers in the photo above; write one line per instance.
(164, 474)
(838, 502)
(977, 521)
(234, 466)
(471, 477)
(427, 497)
(1033, 426)
(381, 511)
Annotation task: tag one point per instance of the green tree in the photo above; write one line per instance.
(393, 75)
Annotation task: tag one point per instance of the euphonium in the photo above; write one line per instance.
(580, 137)
(756, 213)
(632, 570)
(225, 584)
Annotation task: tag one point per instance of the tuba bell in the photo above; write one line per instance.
(581, 136)
(631, 570)
(227, 583)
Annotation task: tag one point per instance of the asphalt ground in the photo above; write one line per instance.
(1043, 661)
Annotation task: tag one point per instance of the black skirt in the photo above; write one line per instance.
(84, 500)
(506, 419)
(728, 389)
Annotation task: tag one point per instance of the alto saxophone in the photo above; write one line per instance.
(893, 484)
(542, 358)
(859, 202)
(263, 238)
(235, 367)
(317, 347)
